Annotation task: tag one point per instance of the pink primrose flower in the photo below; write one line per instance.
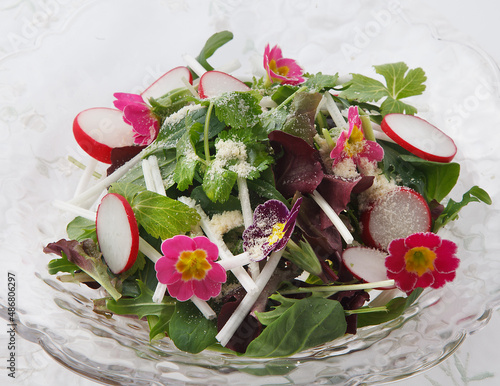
(353, 144)
(188, 268)
(421, 260)
(280, 69)
(138, 114)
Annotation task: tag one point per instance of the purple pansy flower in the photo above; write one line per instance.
(138, 114)
(272, 227)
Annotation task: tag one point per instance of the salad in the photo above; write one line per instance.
(263, 216)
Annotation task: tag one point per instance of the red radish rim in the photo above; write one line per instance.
(189, 79)
(134, 230)
(386, 128)
(90, 145)
(201, 91)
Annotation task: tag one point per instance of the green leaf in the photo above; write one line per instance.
(81, 228)
(266, 189)
(320, 82)
(268, 317)
(239, 110)
(303, 256)
(400, 83)
(61, 264)
(187, 159)
(141, 305)
(300, 122)
(440, 177)
(395, 308)
(218, 182)
(190, 330)
(161, 216)
(127, 190)
(308, 323)
(213, 43)
(450, 213)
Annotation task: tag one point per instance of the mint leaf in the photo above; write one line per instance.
(213, 43)
(161, 216)
(141, 306)
(240, 110)
(400, 83)
(308, 323)
(190, 330)
(450, 213)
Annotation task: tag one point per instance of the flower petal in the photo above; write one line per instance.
(166, 272)
(174, 246)
(442, 278)
(124, 99)
(446, 261)
(217, 273)
(395, 261)
(205, 289)
(210, 248)
(404, 280)
(420, 239)
(181, 290)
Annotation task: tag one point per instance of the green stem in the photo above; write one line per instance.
(366, 310)
(367, 127)
(82, 166)
(287, 100)
(207, 125)
(337, 288)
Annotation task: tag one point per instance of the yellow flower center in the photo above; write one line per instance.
(193, 265)
(419, 260)
(282, 71)
(277, 233)
(355, 143)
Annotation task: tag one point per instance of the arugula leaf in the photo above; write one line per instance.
(213, 43)
(161, 216)
(190, 330)
(400, 83)
(81, 228)
(308, 323)
(450, 212)
(141, 305)
(240, 110)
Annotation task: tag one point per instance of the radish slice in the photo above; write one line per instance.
(100, 129)
(398, 214)
(215, 83)
(366, 264)
(117, 232)
(168, 82)
(419, 137)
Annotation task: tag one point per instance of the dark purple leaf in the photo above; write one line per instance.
(120, 155)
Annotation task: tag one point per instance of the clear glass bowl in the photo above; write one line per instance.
(88, 50)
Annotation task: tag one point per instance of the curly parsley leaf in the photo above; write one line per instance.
(401, 82)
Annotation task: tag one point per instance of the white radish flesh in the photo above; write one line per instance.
(117, 233)
(98, 130)
(366, 264)
(168, 82)
(398, 214)
(419, 137)
(215, 83)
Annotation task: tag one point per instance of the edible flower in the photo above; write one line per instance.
(421, 260)
(272, 227)
(138, 114)
(188, 268)
(280, 69)
(353, 144)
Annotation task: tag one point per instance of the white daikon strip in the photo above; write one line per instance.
(334, 218)
(87, 174)
(194, 64)
(334, 111)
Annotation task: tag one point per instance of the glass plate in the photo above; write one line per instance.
(88, 50)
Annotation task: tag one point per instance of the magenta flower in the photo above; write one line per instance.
(280, 69)
(138, 114)
(188, 268)
(353, 144)
(421, 260)
(272, 227)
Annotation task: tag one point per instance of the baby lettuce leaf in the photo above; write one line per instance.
(141, 305)
(81, 228)
(400, 83)
(61, 264)
(266, 318)
(87, 257)
(450, 212)
(190, 330)
(307, 323)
